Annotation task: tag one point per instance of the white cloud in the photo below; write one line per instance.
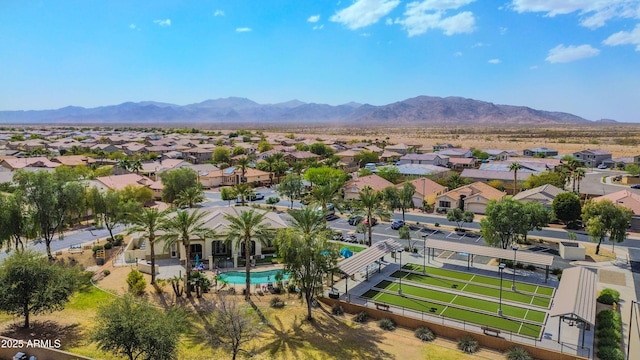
(318, 27)
(625, 38)
(313, 18)
(132, 26)
(594, 13)
(163, 23)
(457, 53)
(243, 29)
(363, 13)
(389, 21)
(562, 54)
(494, 61)
(479, 44)
(421, 16)
(503, 30)
(218, 12)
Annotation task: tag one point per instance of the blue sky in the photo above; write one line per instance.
(577, 56)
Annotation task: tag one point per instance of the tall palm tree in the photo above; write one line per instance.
(280, 167)
(515, 166)
(124, 164)
(243, 228)
(369, 206)
(243, 164)
(572, 166)
(307, 221)
(136, 166)
(578, 175)
(148, 222)
(298, 167)
(325, 193)
(179, 229)
(190, 196)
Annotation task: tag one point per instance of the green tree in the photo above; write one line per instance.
(180, 229)
(321, 149)
(536, 217)
(264, 145)
(460, 217)
(221, 155)
(504, 221)
(138, 330)
(390, 173)
(244, 228)
(175, 181)
(14, 225)
(366, 156)
(110, 208)
(632, 169)
(604, 218)
(227, 194)
(243, 191)
(364, 172)
(48, 200)
(238, 150)
(455, 181)
(291, 186)
(566, 207)
(307, 258)
(139, 194)
(29, 285)
(325, 193)
(324, 175)
(555, 178)
(404, 233)
(515, 167)
(190, 197)
(479, 154)
(148, 222)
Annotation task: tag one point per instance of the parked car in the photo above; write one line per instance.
(397, 224)
(374, 221)
(635, 186)
(257, 196)
(355, 220)
(602, 166)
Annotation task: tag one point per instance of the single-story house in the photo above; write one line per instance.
(473, 197)
(543, 194)
(629, 200)
(456, 153)
(426, 190)
(506, 177)
(423, 170)
(426, 159)
(353, 186)
(540, 151)
(232, 176)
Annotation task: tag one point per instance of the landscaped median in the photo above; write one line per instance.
(462, 308)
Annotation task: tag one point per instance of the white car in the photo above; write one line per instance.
(602, 166)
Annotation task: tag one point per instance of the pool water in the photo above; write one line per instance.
(257, 277)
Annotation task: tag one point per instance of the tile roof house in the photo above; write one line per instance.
(353, 186)
(423, 170)
(426, 191)
(426, 159)
(21, 163)
(399, 148)
(540, 151)
(543, 194)
(473, 197)
(456, 153)
(73, 160)
(629, 200)
(119, 182)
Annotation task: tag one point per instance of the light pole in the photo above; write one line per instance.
(400, 286)
(500, 269)
(424, 252)
(515, 250)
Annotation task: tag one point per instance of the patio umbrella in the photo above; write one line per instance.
(197, 260)
(346, 253)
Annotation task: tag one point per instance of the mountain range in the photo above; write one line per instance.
(417, 111)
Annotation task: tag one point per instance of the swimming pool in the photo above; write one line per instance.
(257, 277)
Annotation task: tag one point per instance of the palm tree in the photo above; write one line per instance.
(243, 190)
(244, 228)
(515, 166)
(148, 222)
(243, 164)
(297, 167)
(135, 166)
(180, 229)
(307, 221)
(572, 166)
(578, 174)
(280, 167)
(325, 193)
(124, 164)
(369, 206)
(190, 196)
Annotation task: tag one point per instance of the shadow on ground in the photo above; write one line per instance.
(69, 335)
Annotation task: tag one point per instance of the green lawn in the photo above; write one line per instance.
(354, 248)
(481, 279)
(465, 301)
(476, 289)
(493, 321)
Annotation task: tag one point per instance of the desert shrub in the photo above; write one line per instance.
(468, 344)
(559, 276)
(106, 272)
(276, 302)
(291, 288)
(531, 267)
(118, 240)
(361, 317)
(518, 353)
(424, 334)
(609, 296)
(610, 353)
(608, 314)
(608, 323)
(95, 248)
(108, 245)
(387, 324)
(437, 224)
(337, 309)
(136, 282)
(160, 285)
